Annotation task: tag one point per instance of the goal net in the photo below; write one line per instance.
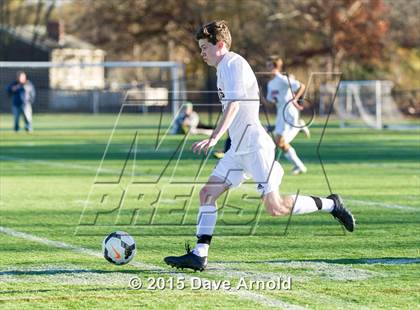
(99, 87)
(363, 103)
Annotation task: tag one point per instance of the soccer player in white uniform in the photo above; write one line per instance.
(285, 92)
(251, 153)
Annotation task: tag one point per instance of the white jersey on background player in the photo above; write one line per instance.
(279, 90)
(252, 153)
(284, 91)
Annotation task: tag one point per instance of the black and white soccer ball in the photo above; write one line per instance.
(119, 248)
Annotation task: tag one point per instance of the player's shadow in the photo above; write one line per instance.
(74, 271)
(37, 291)
(87, 128)
(344, 261)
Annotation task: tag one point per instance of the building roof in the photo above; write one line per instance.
(27, 33)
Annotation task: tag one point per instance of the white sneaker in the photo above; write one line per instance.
(297, 170)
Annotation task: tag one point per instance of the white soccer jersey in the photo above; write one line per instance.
(280, 88)
(237, 82)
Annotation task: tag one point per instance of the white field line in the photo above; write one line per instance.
(250, 295)
(163, 200)
(383, 205)
(98, 170)
(52, 163)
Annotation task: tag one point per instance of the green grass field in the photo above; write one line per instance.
(56, 208)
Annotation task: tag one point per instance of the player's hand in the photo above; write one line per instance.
(16, 87)
(297, 104)
(203, 145)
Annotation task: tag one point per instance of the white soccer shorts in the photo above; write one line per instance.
(261, 166)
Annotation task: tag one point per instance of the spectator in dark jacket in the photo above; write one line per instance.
(22, 92)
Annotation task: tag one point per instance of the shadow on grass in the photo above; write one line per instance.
(94, 289)
(49, 272)
(343, 261)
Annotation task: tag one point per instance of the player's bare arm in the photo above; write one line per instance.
(298, 95)
(219, 131)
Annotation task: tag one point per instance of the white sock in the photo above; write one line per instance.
(201, 249)
(294, 159)
(206, 221)
(327, 204)
(309, 204)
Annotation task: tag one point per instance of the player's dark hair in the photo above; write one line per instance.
(276, 61)
(214, 32)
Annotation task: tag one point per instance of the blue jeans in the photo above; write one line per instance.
(24, 110)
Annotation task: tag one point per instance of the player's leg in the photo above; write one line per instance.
(284, 205)
(207, 214)
(289, 152)
(292, 128)
(304, 128)
(27, 116)
(16, 116)
(227, 174)
(285, 132)
(190, 123)
(206, 222)
(268, 174)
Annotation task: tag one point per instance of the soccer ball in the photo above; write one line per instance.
(119, 248)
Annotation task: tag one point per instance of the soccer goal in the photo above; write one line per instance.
(363, 103)
(99, 87)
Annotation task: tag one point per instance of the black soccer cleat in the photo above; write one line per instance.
(189, 260)
(343, 215)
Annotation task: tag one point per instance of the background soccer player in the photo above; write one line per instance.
(189, 121)
(252, 152)
(285, 92)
